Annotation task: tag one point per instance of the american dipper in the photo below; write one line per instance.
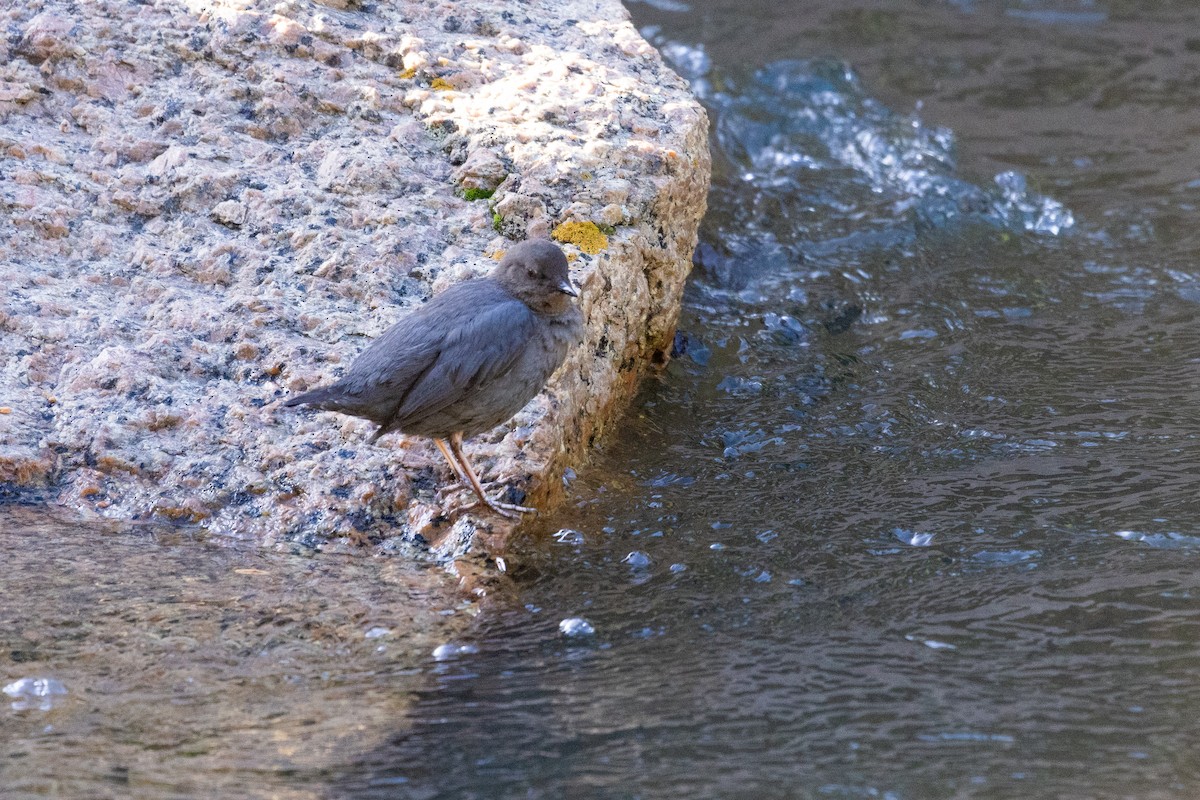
(467, 360)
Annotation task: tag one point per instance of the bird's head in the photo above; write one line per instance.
(536, 272)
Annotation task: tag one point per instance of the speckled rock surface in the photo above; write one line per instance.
(206, 206)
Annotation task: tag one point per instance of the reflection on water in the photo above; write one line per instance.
(145, 664)
(914, 513)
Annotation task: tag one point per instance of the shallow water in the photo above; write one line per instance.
(913, 516)
(180, 668)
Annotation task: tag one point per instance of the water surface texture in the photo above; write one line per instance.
(915, 514)
(146, 663)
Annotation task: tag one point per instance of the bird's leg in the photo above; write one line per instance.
(454, 465)
(463, 481)
(509, 510)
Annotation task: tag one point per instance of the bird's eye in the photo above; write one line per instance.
(533, 273)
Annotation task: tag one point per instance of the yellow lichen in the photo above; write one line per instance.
(408, 73)
(584, 235)
(441, 85)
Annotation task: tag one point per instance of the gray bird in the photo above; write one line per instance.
(467, 360)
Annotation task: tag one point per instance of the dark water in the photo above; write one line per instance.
(916, 514)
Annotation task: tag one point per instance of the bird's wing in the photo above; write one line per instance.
(391, 364)
(379, 378)
(484, 345)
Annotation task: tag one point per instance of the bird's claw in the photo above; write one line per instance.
(507, 510)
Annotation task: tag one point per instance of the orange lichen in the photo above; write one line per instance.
(191, 510)
(584, 235)
(111, 464)
(23, 471)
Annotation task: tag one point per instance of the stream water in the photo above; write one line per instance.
(913, 514)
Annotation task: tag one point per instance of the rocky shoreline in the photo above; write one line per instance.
(210, 206)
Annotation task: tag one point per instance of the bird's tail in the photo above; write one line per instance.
(314, 398)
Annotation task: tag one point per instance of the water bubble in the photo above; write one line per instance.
(913, 538)
(568, 536)
(637, 559)
(934, 644)
(34, 693)
(576, 628)
(678, 567)
(450, 650)
(376, 632)
(784, 329)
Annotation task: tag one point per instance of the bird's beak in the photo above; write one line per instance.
(566, 287)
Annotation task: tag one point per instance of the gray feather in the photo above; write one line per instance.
(469, 358)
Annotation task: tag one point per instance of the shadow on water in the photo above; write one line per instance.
(913, 512)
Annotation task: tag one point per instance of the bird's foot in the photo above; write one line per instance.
(508, 510)
(459, 486)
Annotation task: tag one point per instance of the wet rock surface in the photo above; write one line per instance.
(210, 207)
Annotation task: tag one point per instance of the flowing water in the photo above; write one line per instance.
(913, 513)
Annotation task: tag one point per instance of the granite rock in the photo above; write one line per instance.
(208, 206)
